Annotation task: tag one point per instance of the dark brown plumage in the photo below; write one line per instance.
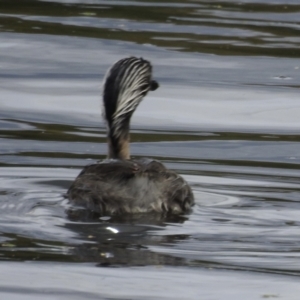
(120, 185)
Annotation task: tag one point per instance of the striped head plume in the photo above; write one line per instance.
(125, 85)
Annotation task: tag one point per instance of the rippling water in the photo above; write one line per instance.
(226, 117)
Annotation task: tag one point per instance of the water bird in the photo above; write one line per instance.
(119, 184)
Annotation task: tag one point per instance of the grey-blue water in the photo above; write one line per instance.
(226, 117)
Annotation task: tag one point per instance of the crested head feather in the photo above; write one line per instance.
(125, 85)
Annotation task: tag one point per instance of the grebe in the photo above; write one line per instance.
(119, 184)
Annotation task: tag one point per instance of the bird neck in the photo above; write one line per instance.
(118, 146)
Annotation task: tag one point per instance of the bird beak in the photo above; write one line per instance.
(154, 85)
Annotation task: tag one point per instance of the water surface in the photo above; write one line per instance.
(226, 117)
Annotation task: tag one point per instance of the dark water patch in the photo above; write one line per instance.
(223, 28)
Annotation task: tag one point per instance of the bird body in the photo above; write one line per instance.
(133, 186)
(119, 184)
